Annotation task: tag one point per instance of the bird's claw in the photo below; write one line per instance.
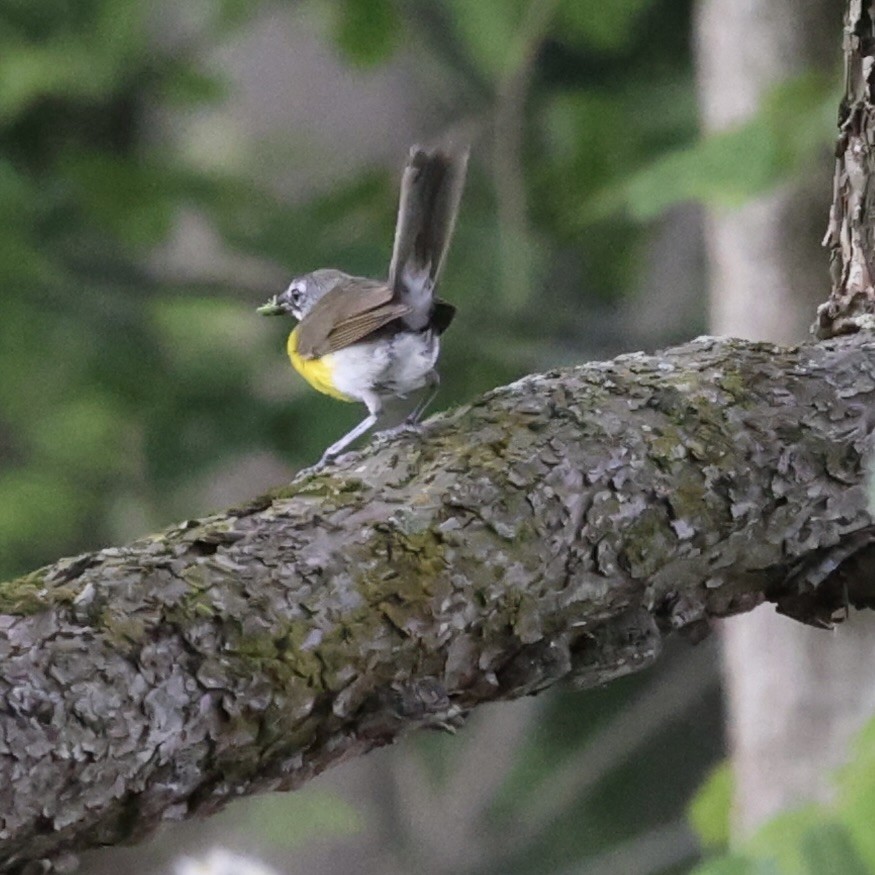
(406, 427)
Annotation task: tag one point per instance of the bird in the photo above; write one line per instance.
(365, 340)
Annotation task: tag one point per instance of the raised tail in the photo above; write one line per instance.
(431, 189)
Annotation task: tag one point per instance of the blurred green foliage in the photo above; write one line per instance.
(811, 840)
(87, 385)
(729, 168)
(304, 814)
(709, 810)
(367, 30)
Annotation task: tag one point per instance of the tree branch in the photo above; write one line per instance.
(556, 528)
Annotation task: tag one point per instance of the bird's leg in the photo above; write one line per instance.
(432, 384)
(375, 408)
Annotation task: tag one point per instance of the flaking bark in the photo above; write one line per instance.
(850, 235)
(558, 528)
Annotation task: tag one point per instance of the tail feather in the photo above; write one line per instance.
(431, 189)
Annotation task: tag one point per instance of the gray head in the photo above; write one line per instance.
(303, 292)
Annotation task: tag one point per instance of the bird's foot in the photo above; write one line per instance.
(406, 427)
(317, 467)
(312, 469)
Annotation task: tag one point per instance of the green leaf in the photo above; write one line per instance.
(828, 847)
(86, 435)
(205, 340)
(60, 70)
(184, 85)
(86, 63)
(856, 794)
(231, 14)
(488, 29)
(367, 31)
(291, 820)
(780, 839)
(709, 811)
(22, 257)
(602, 26)
(133, 200)
(36, 506)
(729, 168)
(735, 865)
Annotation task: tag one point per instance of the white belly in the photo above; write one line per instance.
(388, 366)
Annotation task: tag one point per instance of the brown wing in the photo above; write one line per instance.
(345, 315)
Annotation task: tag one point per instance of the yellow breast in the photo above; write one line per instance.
(317, 372)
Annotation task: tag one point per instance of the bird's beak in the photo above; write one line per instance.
(278, 305)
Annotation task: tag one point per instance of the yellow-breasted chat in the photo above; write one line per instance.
(359, 339)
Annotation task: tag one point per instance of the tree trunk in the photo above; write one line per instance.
(793, 709)
(557, 528)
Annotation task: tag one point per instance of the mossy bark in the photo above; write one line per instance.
(558, 528)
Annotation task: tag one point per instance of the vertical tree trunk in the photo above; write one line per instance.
(795, 694)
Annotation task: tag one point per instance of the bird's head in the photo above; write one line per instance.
(302, 293)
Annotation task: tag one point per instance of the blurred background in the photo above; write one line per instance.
(166, 167)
